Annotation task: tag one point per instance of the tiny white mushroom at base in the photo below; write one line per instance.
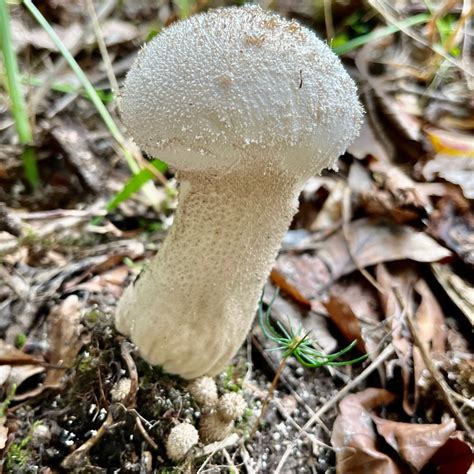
(121, 389)
(231, 406)
(181, 440)
(246, 106)
(204, 391)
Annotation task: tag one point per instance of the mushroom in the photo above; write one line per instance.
(245, 106)
(182, 438)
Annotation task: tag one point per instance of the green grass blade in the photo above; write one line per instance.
(18, 105)
(381, 33)
(86, 84)
(135, 183)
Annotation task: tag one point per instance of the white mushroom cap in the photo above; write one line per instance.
(236, 85)
(204, 391)
(231, 406)
(181, 439)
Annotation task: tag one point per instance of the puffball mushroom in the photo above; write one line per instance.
(245, 106)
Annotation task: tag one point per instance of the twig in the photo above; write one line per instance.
(58, 213)
(268, 397)
(382, 357)
(211, 449)
(125, 350)
(443, 387)
(144, 433)
(77, 457)
(103, 48)
(230, 461)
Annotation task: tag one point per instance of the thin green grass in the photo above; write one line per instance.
(185, 8)
(18, 105)
(105, 96)
(135, 183)
(380, 33)
(114, 130)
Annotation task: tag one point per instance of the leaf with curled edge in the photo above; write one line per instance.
(355, 439)
(415, 443)
(373, 242)
(305, 277)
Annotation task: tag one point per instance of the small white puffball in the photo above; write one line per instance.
(181, 439)
(120, 390)
(231, 406)
(41, 435)
(204, 391)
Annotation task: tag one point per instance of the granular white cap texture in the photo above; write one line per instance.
(204, 391)
(231, 406)
(237, 84)
(181, 439)
(121, 389)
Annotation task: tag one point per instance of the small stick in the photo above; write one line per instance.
(382, 357)
(125, 350)
(268, 397)
(444, 388)
(144, 433)
(77, 456)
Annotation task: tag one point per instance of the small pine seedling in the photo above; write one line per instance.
(296, 344)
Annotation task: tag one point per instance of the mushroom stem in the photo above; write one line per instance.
(192, 307)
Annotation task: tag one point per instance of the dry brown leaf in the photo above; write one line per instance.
(331, 212)
(459, 290)
(111, 282)
(301, 276)
(430, 325)
(400, 280)
(454, 457)
(113, 30)
(355, 439)
(69, 134)
(415, 443)
(65, 338)
(455, 169)
(17, 367)
(367, 144)
(305, 277)
(11, 356)
(356, 430)
(354, 308)
(345, 320)
(373, 242)
(453, 224)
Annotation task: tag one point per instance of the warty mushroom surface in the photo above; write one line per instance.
(245, 106)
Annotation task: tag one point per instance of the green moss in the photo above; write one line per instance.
(20, 454)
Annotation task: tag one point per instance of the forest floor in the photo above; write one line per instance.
(381, 252)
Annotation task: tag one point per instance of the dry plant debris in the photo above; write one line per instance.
(381, 252)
